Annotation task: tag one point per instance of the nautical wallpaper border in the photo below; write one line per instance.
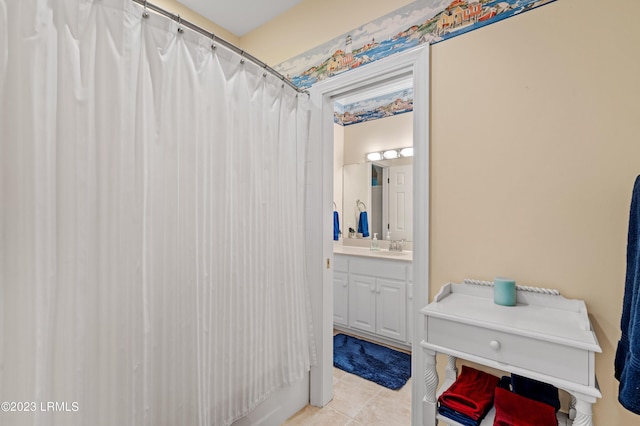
(388, 105)
(423, 21)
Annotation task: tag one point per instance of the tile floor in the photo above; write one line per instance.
(357, 401)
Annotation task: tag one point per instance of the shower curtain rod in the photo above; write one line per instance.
(215, 38)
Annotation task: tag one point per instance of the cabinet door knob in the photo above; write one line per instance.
(495, 345)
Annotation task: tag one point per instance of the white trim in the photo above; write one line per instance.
(279, 406)
(413, 63)
(421, 198)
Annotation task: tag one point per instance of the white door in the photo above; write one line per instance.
(391, 306)
(340, 298)
(362, 303)
(400, 190)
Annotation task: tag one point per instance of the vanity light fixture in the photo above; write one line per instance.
(390, 154)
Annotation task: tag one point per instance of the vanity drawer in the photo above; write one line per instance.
(340, 264)
(541, 356)
(379, 268)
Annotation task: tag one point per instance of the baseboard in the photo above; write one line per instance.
(283, 404)
(403, 347)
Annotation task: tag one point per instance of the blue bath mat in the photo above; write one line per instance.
(376, 363)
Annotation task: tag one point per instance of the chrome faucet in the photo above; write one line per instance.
(396, 245)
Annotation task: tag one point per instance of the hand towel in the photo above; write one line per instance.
(363, 224)
(457, 417)
(533, 389)
(627, 361)
(336, 226)
(471, 394)
(516, 410)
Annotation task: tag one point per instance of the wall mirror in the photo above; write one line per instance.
(376, 120)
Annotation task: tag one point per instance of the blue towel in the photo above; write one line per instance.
(457, 417)
(363, 224)
(627, 362)
(505, 383)
(538, 391)
(336, 226)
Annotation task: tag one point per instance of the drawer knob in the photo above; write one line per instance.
(495, 345)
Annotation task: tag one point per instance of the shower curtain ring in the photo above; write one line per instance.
(213, 41)
(180, 30)
(242, 57)
(145, 14)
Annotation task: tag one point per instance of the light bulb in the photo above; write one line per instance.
(374, 156)
(392, 153)
(407, 152)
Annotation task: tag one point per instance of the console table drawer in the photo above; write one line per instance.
(540, 356)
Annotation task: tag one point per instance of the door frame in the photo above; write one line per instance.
(319, 208)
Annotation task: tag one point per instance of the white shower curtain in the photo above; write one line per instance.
(151, 236)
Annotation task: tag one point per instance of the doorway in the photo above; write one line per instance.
(412, 64)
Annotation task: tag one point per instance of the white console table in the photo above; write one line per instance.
(544, 337)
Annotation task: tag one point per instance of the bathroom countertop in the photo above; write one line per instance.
(406, 256)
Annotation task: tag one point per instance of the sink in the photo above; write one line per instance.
(366, 252)
(392, 253)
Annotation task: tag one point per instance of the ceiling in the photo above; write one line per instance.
(240, 16)
(243, 16)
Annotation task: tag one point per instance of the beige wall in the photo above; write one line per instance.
(377, 135)
(544, 138)
(535, 121)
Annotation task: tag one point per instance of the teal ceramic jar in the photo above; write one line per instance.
(504, 291)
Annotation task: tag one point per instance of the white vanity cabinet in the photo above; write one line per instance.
(341, 291)
(391, 308)
(362, 302)
(376, 297)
